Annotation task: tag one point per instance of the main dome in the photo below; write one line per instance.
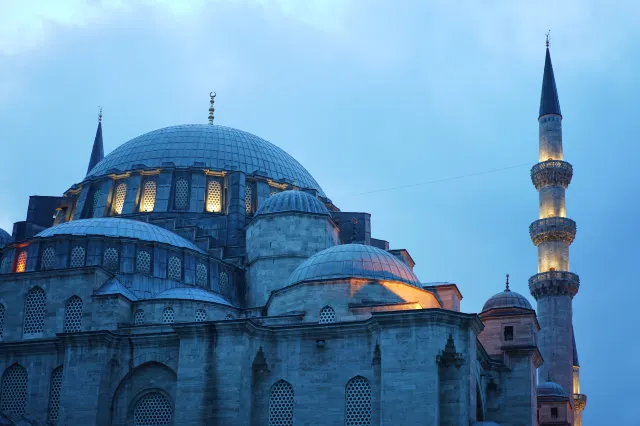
(207, 146)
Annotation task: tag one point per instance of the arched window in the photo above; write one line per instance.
(358, 402)
(48, 258)
(248, 198)
(153, 409)
(181, 194)
(54, 394)
(118, 201)
(224, 283)
(327, 315)
(143, 262)
(174, 268)
(4, 265)
(77, 257)
(110, 259)
(138, 318)
(35, 307)
(21, 264)
(201, 274)
(148, 200)
(168, 316)
(96, 198)
(281, 403)
(214, 196)
(13, 396)
(1, 320)
(73, 315)
(201, 315)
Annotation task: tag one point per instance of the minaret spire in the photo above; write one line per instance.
(97, 153)
(549, 102)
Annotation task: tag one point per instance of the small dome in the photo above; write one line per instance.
(196, 294)
(5, 238)
(353, 261)
(292, 201)
(115, 227)
(507, 299)
(551, 389)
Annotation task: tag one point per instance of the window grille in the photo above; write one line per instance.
(201, 315)
(168, 316)
(182, 194)
(96, 198)
(1, 320)
(148, 196)
(35, 307)
(138, 318)
(54, 395)
(21, 264)
(281, 402)
(48, 258)
(201, 274)
(153, 409)
(143, 262)
(110, 259)
(118, 203)
(77, 257)
(214, 196)
(73, 315)
(327, 315)
(248, 197)
(175, 268)
(224, 283)
(4, 265)
(13, 396)
(358, 402)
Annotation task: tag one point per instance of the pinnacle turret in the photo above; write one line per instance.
(97, 153)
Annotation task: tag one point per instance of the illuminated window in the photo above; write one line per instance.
(153, 409)
(327, 315)
(508, 333)
(214, 196)
(248, 198)
(13, 396)
(110, 259)
(224, 283)
(281, 403)
(358, 402)
(168, 316)
(143, 262)
(201, 274)
(1, 320)
(54, 396)
(35, 307)
(148, 200)
(73, 315)
(96, 198)
(77, 257)
(182, 194)
(118, 202)
(48, 258)
(4, 265)
(21, 264)
(201, 315)
(175, 268)
(138, 318)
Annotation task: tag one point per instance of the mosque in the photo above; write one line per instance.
(199, 275)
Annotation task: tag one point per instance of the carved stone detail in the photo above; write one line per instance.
(554, 283)
(551, 172)
(449, 357)
(552, 229)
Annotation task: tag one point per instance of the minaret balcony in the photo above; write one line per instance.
(554, 283)
(579, 401)
(552, 229)
(551, 172)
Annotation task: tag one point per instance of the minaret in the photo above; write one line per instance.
(554, 286)
(97, 153)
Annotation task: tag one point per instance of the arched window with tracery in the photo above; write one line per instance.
(54, 394)
(168, 316)
(281, 404)
(77, 257)
(201, 315)
(181, 196)
(214, 196)
(358, 402)
(153, 409)
(327, 315)
(148, 199)
(73, 315)
(21, 264)
(96, 199)
(48, 258)
(13, 394)
(174, 268)
(201, 274)
(118, 201)
(224, 283)
(35, 308)
(248, 198)
(138, 318)
(110, 259)
(143, 262)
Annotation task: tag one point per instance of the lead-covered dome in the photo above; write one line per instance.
(353, 261)
(115, 227)
(5, 238)
(507, 299)
(292, 201)
(207, 146)
(551, 389)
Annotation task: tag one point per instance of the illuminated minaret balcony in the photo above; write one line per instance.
(551, 173)
(552, 229)
(554, 283)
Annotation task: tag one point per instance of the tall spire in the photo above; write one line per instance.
(549, 102)
(97, 153)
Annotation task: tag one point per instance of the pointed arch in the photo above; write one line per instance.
(13, 392)
(358, 402)
(54, 394)
(35, 308)
(281, 404)
(327, 315)
(73, 315)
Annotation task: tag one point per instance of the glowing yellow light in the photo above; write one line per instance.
(121, 192)
(214, 197)
(21, 265)
(148, 196)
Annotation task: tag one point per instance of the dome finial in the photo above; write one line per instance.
(507, 289)
(100, 114)
(547, 34)
(211, 109)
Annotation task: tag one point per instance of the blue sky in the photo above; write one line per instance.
(367, 95)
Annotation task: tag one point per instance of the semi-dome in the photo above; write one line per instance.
(292, 201)
(353, 261)
(207, 146)
(507, 299)
(5, 238)
(195, 294)
(115, 227)
(551, 389)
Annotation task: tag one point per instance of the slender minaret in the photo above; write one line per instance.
(554, 286)
(97, 153)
